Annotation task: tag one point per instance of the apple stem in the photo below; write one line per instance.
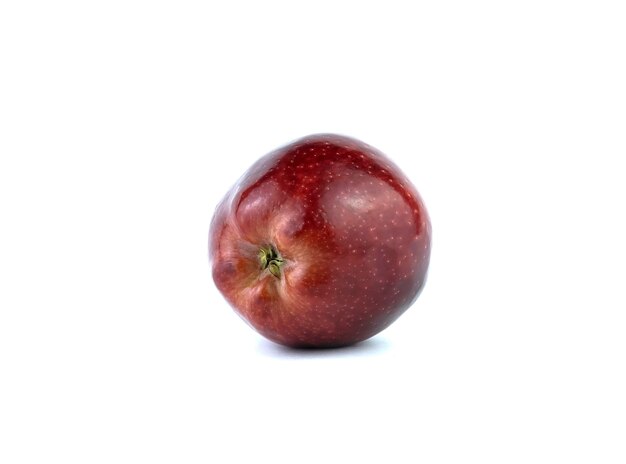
(270, 260)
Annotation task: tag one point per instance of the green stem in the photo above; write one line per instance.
(270, 260)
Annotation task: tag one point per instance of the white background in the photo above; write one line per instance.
(123, 123)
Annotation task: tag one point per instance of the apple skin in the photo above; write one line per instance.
(322, 243)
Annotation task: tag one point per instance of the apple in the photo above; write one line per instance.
(322, 243)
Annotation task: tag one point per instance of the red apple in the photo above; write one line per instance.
(322, 243)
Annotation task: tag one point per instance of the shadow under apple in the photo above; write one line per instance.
(370, 347)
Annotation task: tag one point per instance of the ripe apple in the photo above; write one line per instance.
(322, 243)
